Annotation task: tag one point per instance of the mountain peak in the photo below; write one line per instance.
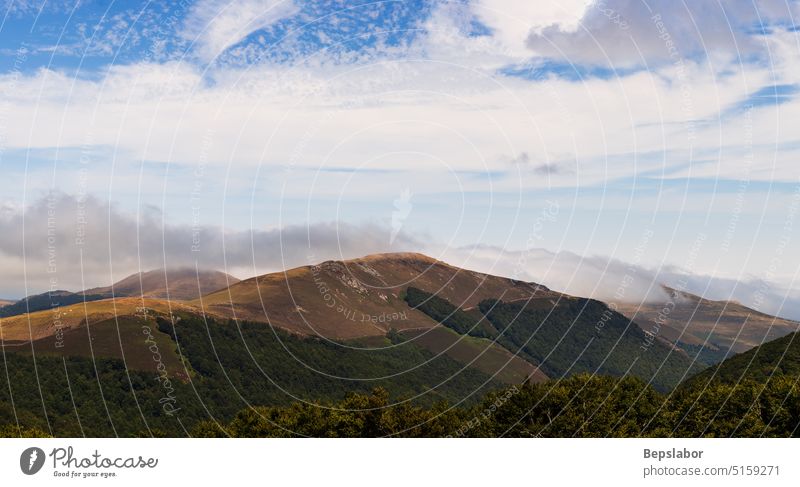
(397, 256)
(181, 283)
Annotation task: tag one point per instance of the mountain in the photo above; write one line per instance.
(359, 297)
(420, 329)
(512, 330)
(180, 283)
(5, 302)
(565, 336)
(183, 284)
(429, 361)
(555, 333)
(709, 330)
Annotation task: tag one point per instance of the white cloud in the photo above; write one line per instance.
(115, 243)
(216, 25)
(601, 278)
(87, 242)
(416, 117)
(622, 33)
(511, 21)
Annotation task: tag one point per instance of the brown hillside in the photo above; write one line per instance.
(726, 324)
(180, 284)
(49, 323)
(360, 297)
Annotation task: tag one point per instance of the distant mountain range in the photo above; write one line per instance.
(419, 327)
(528, 332)
(363, 297)
(174, 284)
(181, 284)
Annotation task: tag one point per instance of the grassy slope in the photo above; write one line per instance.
(721, 326)
(44, 324)
(46, 301)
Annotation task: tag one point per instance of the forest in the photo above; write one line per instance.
(247, 379)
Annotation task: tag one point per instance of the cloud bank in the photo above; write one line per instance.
(625, 33)
(67, 242)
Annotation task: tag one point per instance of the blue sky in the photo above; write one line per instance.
(255, 116)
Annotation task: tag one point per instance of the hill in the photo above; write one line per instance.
(776, 358)
(134, 374)
(710, 330)
(50, 323)
(419, 328)
(511, 330)
(112, 329)
(360, 297)
(174, 284)
(565, 336)
(180, 284)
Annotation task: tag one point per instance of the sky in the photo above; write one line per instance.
(570, 142)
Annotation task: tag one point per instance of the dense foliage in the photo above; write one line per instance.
(228, 367)
(441, 310)
(597, 406)
(75, 397)
(564, 337)
(580, 406)
(575, 335)
(252, 381)
(775, 358)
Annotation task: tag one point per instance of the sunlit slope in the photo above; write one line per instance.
(360, 297)
(720, 327)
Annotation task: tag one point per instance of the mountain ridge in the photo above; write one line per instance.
(708, 329)
(182, 283)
